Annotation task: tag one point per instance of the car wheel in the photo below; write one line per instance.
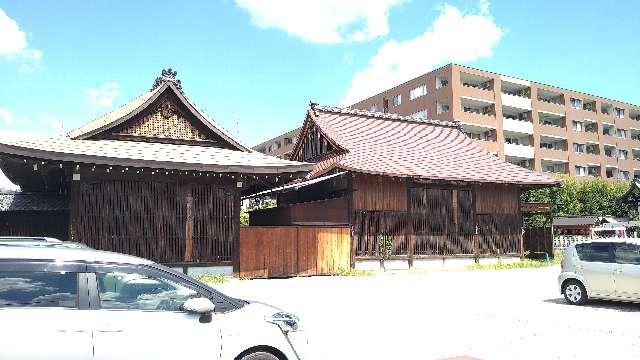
(260, 355)
(574, 292)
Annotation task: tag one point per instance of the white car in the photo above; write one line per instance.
(601, 269)
(79, 304)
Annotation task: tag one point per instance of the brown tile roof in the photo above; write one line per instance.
(393, 145)
(151, 155)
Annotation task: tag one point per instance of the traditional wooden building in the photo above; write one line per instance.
(155, 178)
(408, 187)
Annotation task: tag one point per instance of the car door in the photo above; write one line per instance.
(43, 308)
(138, 316)
(627, 270)
(595, 264)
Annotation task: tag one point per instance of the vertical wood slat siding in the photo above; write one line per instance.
(149, 219)
(442, 221)
(35, 223)
(379, 193)
(280, 251)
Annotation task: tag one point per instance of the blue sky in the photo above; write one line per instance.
(258, 63)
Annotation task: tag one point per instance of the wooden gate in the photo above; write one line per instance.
(538, 241)
(281, 251)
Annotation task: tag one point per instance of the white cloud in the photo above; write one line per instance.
(6, 116)
(103, 95)
(56, 125)
(323, 21)
(14, 46)
(453, 37)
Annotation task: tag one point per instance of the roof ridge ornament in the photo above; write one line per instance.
(167, 75)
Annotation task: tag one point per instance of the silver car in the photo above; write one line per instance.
(601, 269)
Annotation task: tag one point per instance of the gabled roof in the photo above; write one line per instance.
(137, 105)
(393, 145)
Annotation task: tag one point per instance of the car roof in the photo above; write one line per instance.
(68, 254)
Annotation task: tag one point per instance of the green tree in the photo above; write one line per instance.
(581, 197)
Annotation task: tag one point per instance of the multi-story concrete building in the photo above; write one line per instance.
(280, 146)
(534, 125)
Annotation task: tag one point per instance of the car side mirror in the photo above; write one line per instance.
(200, 305)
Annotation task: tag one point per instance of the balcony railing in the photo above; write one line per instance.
(483, 86)
(557, 101)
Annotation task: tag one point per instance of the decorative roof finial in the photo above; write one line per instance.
(167, 75)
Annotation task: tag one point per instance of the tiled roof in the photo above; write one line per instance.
(109, 118)
(152, 155)
(32, 202)
(138, 104)
(393, 145)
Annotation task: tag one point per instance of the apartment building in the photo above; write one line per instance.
(536, 126)
(279, 146)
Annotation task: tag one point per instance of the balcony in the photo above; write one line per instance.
(525, 163)
(516, 93)
(516, 101)
(518, 151)
(517, 125)
(553, 167)
(550, 100)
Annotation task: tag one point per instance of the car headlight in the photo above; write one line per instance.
(286, 322)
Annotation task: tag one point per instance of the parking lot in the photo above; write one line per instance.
(505, 314)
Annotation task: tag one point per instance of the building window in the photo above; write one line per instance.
(512, 141)
(442, 108)
(577, 126)
(441, 82)
(287, 141)
(374, 108)
(580, 170)
(593, 171)
(623, 154)
(422, 114)
(417, 92)
(624, 175)
(578, 148)
(622, 133)
(619, 112)
(397, 100)
(576, 103)
(592, 149)
(610, 172)
(607, 130)
(549, 169)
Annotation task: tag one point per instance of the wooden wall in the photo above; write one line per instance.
(497, 199)
(322, 212)
(35, 223)
(292, 251)
(372, 192)
(168, 220)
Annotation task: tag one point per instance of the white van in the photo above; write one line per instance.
(601, 269)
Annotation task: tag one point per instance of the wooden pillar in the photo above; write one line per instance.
(409, 227)
(74, 204)
(236, 244)
(188, 225)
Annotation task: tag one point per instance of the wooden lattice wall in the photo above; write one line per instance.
(165, 121)
(166, 221)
